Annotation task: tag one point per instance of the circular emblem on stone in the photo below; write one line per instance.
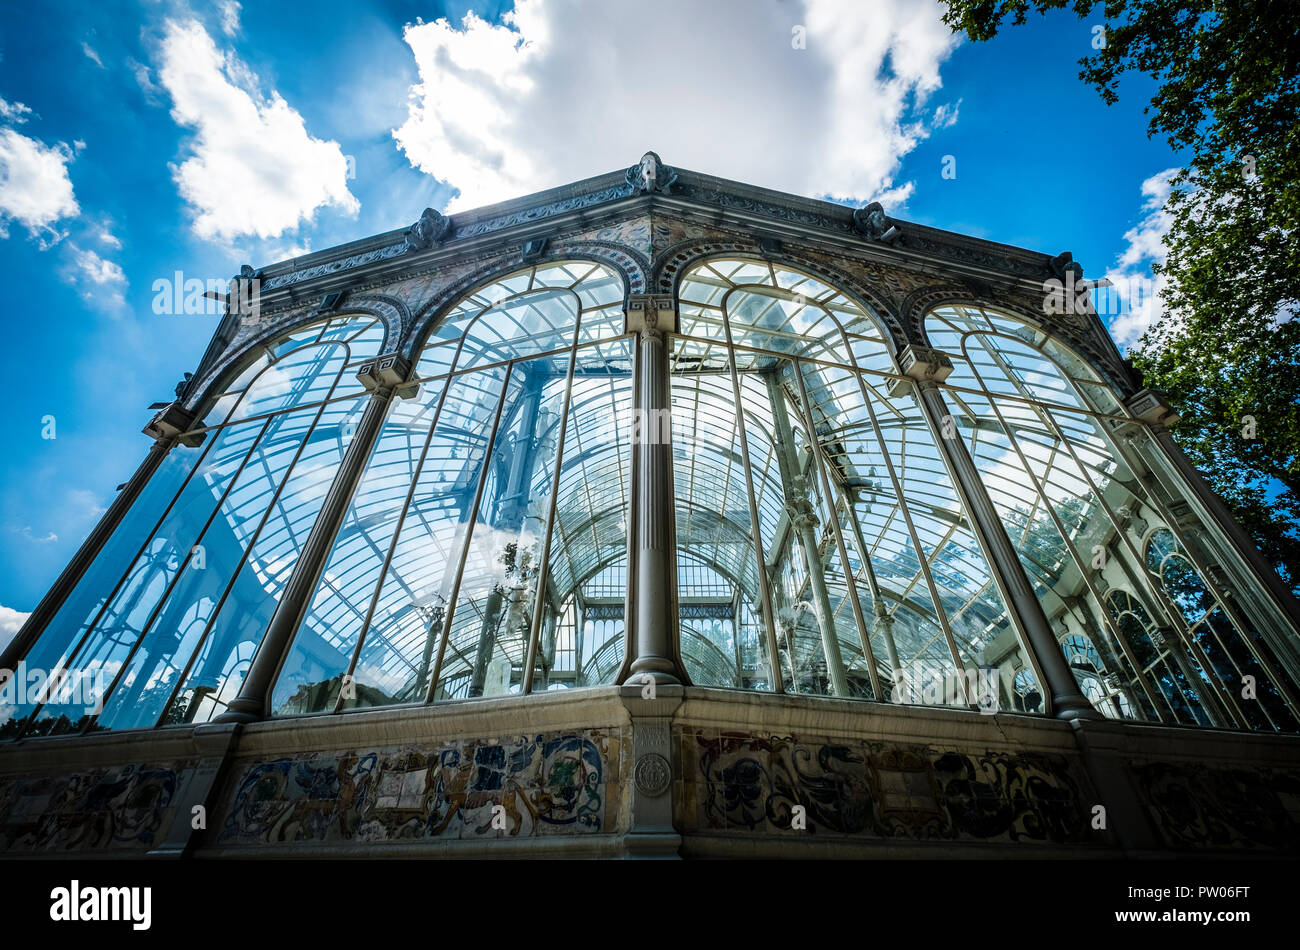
(652, 774)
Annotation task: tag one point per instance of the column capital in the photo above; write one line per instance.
(1152, 407)
(391, 372)
(171, 423)
(655, 313)
(922, 364)
(801, 512)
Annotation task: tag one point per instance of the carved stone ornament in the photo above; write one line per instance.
(652, 774)
(533, 250)
(650, 175)
(1064, 263)
(873, 223)
(431, 229)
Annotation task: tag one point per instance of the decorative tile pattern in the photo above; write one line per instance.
(519, 786)
(1193, 807)
(752, 783)
(123, 808)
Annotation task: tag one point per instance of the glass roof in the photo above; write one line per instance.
(807, 353)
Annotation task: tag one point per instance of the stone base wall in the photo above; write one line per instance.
(692, 772)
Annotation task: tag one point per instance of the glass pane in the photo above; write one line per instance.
(151, 576)
(723, 640)
(587, 563)
(395, 663)
(78, 612)
(490, 622)
(217, 671)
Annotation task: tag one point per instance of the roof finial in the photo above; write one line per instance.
(650, 175)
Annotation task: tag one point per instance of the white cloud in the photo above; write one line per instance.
(35, 189)
(101, 283)
(229, 16)
(26, 532)
(144, 79)
(11, 621)
(108, 238)
(946, 115)
(92, 55)
(565, 91)
(14, 112)
(253, 168)
(1135, 287)
(85, 504)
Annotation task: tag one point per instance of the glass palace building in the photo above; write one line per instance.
(637, 517)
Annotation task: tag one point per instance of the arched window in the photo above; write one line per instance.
(1208, 618)
(1157, 665)
(159, 622)
(790, 439)
(1090, 671)
(490, 523)
(1042, 427)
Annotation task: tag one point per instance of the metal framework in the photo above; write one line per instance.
(728, 461)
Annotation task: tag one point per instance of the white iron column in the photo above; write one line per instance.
(653, 598)
(927, 367)
(385, 375)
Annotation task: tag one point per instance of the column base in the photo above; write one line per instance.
(1074, 706)
(652, 845)
(660, 668)
(242, 711)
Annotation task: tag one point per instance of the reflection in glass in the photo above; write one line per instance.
(1040, 425)
(440, 585)
(877, 586)
(172, 637)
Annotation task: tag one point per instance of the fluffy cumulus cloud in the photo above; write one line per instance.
(820, 97)
(35, 189)
(11, 622)
(1135, 292)
(253, 168)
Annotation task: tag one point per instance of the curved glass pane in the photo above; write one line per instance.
(1038, 423)
(876, 586)
(440, 583)
(185, 601)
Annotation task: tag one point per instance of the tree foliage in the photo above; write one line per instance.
(1226, 348)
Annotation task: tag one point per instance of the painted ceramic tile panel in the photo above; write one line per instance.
(120, 808)
(1194, 807)
(752, 783)
(516, 787)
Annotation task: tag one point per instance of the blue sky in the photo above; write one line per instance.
(139, 139)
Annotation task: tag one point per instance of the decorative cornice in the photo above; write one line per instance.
(336, 266)
(651, 180)
(897, 269)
